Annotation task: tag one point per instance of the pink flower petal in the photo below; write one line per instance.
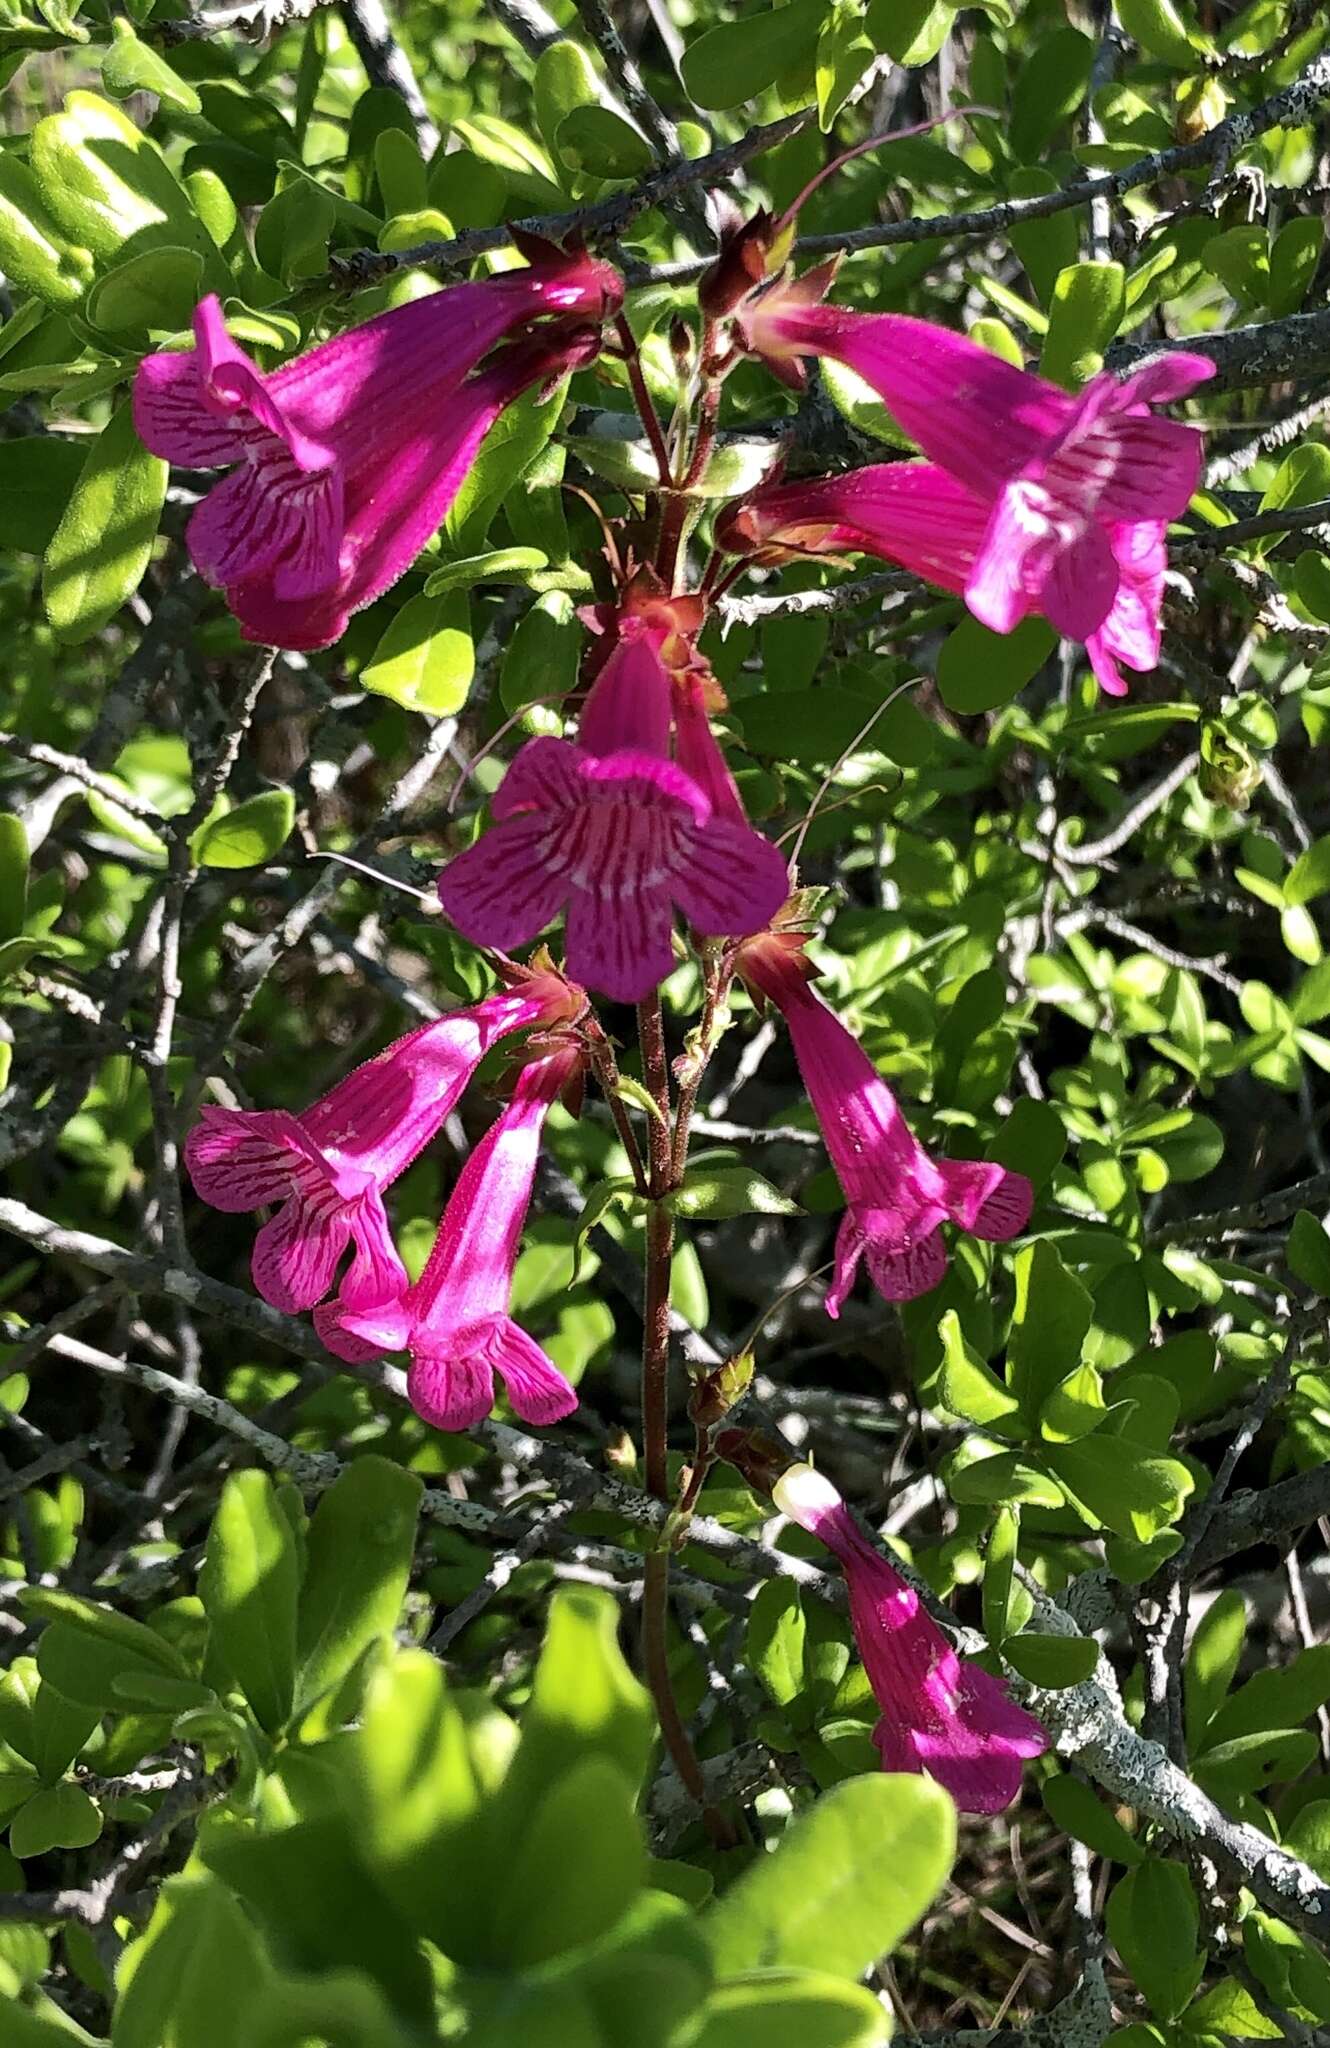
(1170, 376)
(1079, 585)
(173, 420)
(453, 1391)
(359, 1334)
(242, 1159)
(1019, 537)
(296, 1255)
(270, 519)
(545, 776)
(376, 1272)
(619, 942)
(629, 703)
(988, 1200)
(733, 881)
(1156, 470)
(850, 1243)
(903, 1272)
(504, 890)
(537, 1390)
(981, 418)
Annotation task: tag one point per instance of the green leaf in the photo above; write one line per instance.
(602, 143)
(100, 549)
(1308, 1252)
(1088, 302)
(342, 2008)
(248, 835)
(849, 1880)
(1275, 1699)
(37, 477)
(1309, 876)
(584, 1821)
(1158, 27)
(969, 1387)
(359, 1553)
(249, 1584)
(291, 238)
(584, 1701)
(155, 290)
(774, 1639)
(735, 61)
(1153, 1922)
(1294, 256)
(999, 1572)
(1049, 87)
(58, 1817)
(426, 658)
(1123, 1486)
(844, 53)
(714, 1192)
(84, 1664)
(792, 2009)
(1248, 1763)
(180, 1982)
(1078, 1811)
(1229, 2008)
(1212, 1659)
(565, 79)
(1052, 1661)
(977, 670)
(1045, 246)
(108, 185)
(1052, 1316)
(1073, 1409)
(506, 453)
(130, 66)
(498, 565)
(414, 1797)
(13, 876)
(34, 253)
(540, 663)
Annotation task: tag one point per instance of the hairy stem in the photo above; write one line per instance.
(642, 399)
(655, 1405)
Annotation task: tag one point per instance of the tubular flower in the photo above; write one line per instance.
(455, 1321)
(617, 832)
(1078, 490)
(344, 462)
(939, 1715)
(915, 514)
(898, 1195)
(328, 1166)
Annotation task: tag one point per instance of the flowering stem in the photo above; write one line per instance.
(642, 399)
(655, 1402)
(718, 978)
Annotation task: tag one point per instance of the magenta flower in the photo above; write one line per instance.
(328, 1166)
(898, 1195)
(915, 514)
(345, 461)
(617, 833)
(455, 1321)
(951, 1719)
(1078, 490)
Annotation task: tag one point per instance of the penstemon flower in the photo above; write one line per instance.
(455, 1321)
(915, 514)
(328, 1166)
(620, 835)
(940, 1715)
(1077, 491)
(345, 461)
(898, 1194)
